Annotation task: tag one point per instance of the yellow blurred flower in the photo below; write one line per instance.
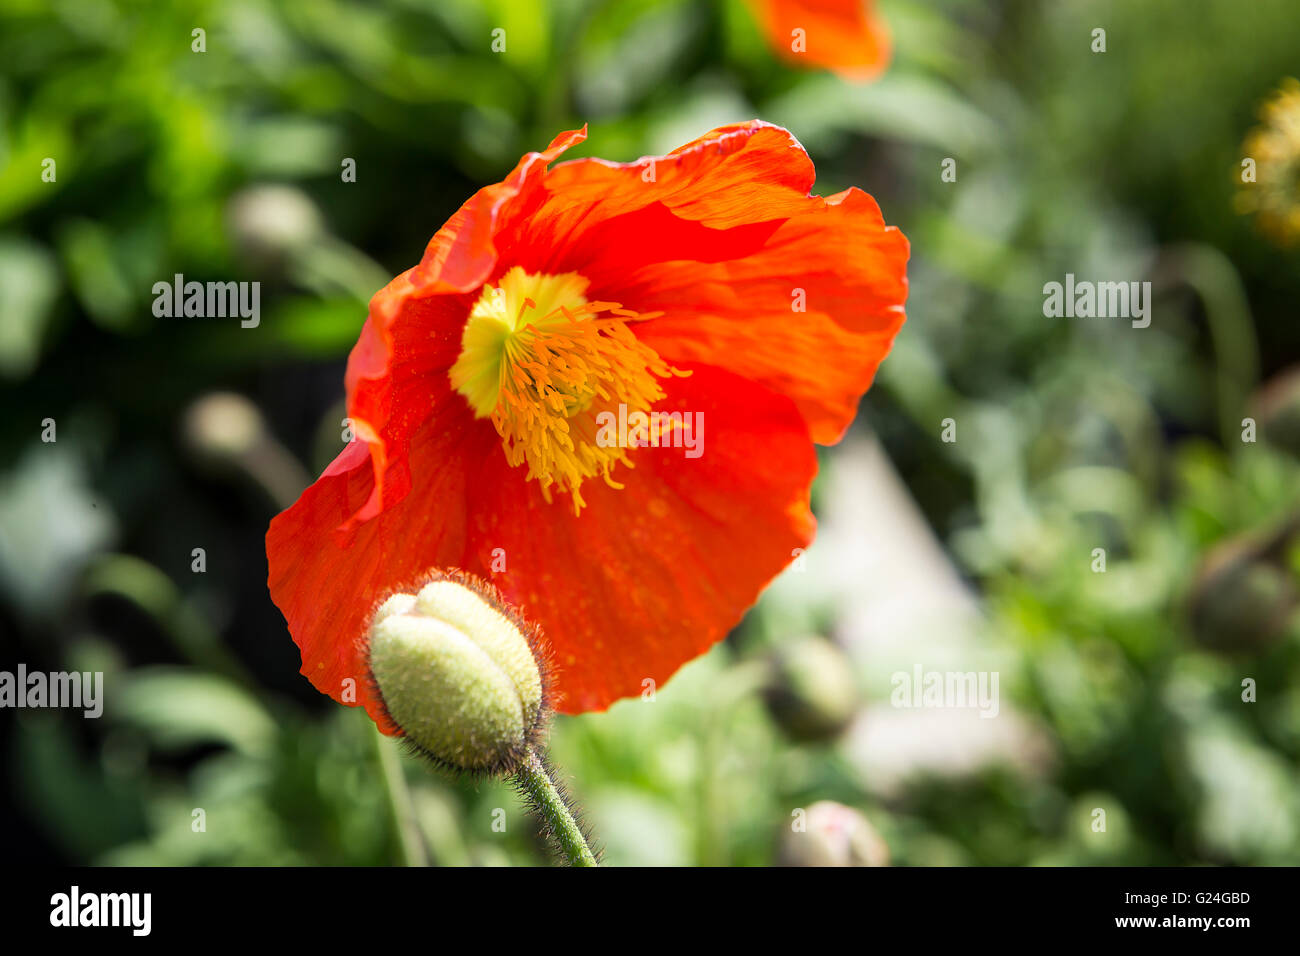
(1270, 173)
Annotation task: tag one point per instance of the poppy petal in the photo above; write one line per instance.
(811, 314)
(733, 176)
(650, 576)
(846, 36)
(329, 572)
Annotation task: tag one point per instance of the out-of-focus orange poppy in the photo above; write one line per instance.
(846, 36)
(708, 282)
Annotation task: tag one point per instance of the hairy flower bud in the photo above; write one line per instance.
(460, 673)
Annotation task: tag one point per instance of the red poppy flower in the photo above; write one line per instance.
(846, 36)
(708, 282)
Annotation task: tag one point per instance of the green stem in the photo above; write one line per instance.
(399, 802)
(1216, 280)
(546, 799)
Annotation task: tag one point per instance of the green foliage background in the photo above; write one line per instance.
(1074, 434)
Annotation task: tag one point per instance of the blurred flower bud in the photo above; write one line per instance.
(811, 693)
(1244, 595)
(1277, 408)
(223, 426)
(1275, 147)
(831, 834)
(460, 673)
(268, 223)
(226, 432)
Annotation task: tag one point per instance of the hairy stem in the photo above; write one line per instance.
(549, 803)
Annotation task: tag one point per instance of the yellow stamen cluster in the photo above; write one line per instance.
(1274, 196)
(543, 363)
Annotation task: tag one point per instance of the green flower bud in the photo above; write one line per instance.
(460, 673)
(1244, 606)
(811, 693)
(270, 223)
(1277, 405)
(1244, 596)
